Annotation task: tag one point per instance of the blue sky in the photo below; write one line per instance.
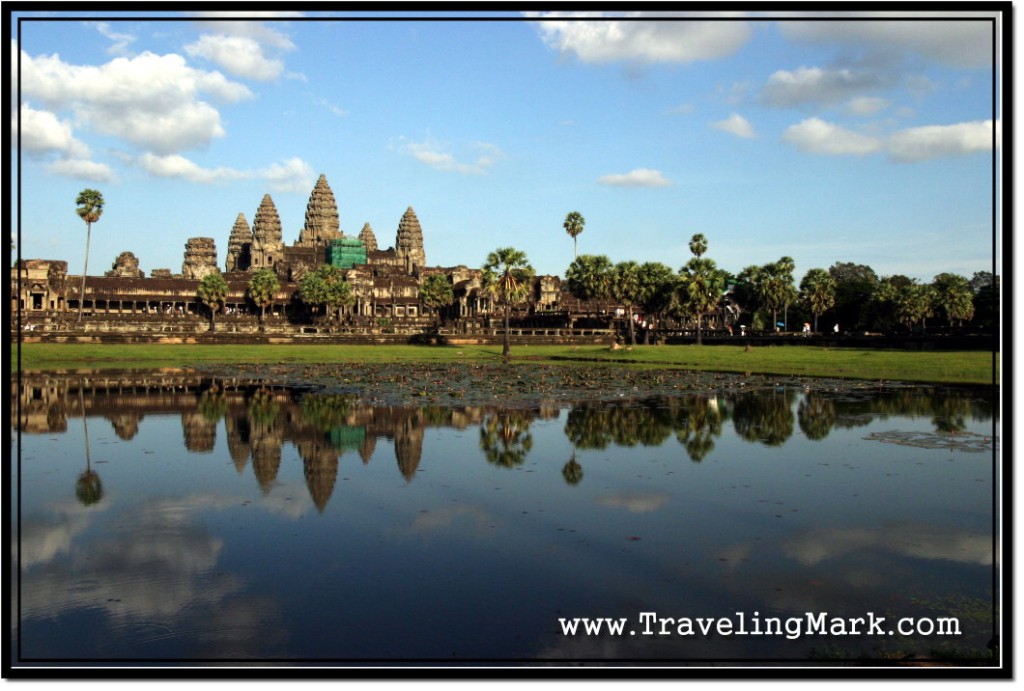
(846, 140)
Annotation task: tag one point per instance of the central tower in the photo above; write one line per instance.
(322, 223)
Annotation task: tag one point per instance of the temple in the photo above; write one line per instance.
(385, 283)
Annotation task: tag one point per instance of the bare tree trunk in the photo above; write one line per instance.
(85, 270)
(505, 344)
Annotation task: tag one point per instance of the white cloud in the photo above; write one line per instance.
(241, 56)
(735, 124)
(819, 137)
(337, 110)
(954, 43)
(151, 101)
(176, 166)
(932, 141)
(866, 105)
(43, 132)
(433, 154)
(121, 40)
(293, 175)
(817, 86)
(639, 177)
(82, 169)
(627, 37)
(914, 144)
(241, 47)
(256, 30)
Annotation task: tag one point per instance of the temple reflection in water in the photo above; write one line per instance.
(260, 418)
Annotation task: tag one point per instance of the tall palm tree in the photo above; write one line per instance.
(212, 291)
(701, 287)
(954, 295)
(573, 225)
(818, 290)
(627, 289)
(698, 245)
(437, 293)
(262, 287)
(90, 208)
(701, 282)
(589, 277)
(507, 275)
(775, 287)
(657, 285)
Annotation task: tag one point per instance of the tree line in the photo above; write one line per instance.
(852, 295)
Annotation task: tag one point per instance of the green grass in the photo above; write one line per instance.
(951, 367)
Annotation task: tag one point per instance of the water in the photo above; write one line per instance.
(173, 523)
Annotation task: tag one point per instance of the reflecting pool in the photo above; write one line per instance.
(173, 518)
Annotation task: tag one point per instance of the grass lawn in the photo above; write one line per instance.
(950, 367)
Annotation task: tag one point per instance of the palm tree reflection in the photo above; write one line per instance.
(88, 488)
(505, 437)
(572, 471)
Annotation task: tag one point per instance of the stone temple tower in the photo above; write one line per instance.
(322, 222)
(267, 246)
(409, 243)
(368, 239)
(200, 258)
(239, 246)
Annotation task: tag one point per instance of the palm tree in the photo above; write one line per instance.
(775, 286)
(437, 292)
(657, 285)
(589, 277)
(573, 225)
(337, 292)
(786, 266)
(313, 288)
(698, 245)
(915, 303)
(702, 282)
(90, 208)
(211, 291)
(818, 290)
(507, 275)
(262, 287)
(954, 295)
(626, 288)
(701, 287)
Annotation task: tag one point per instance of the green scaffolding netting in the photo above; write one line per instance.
(346, 253)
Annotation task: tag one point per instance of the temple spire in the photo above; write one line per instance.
(239, 244)
(322, 222)
(409, 242)
(368, 239)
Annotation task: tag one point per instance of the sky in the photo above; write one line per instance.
(857, 138)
